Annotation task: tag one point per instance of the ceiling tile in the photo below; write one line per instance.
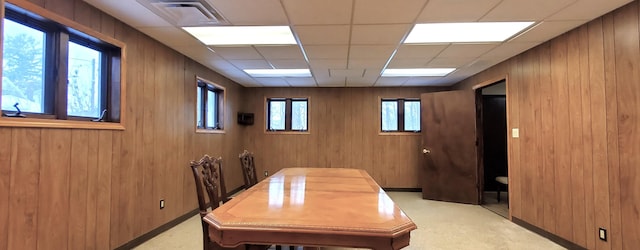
(346, 72)
(525, 10)
(510, 49)
(318, 11)
(425, 81)
(328, 63)
(251, 12)
(467, 50)
(326, 51)
(280, 52)
(587, 9)
(330, 81)
(289, 63)
(366, 63)
(391, 81)
(379, 34)
(322, 34)
(231, 53)
(546, 30)
(272, 81)
(449, 62)
(385, 11)
(251, 64)
(371, 51)
(171, 36)
(455, 10)
(131, 12)
(407, 63)
(407, 51)
(301, 82)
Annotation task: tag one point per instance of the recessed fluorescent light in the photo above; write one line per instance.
(242, 35)
(464, 32)
(278, 72)
(417, 72)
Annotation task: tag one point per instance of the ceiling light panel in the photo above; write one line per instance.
(417, 72)
(465, 32)
(278, 72)
(242, 35)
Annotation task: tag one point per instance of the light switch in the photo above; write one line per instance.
(515, 133)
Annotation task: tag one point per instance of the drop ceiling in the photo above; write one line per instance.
(347, 43)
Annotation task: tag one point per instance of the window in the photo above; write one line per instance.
(287, 114)
(209, 106)
(400, 115)
(54, 71)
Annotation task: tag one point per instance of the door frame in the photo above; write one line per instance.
(480, 141)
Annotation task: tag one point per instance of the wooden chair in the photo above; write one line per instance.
(248, 169)
(207, 173)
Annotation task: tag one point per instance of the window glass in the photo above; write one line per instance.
(23, 68)
(389, 115)
(84, 91)
(212, 109)
(412, 115)
(299, 115)
(277, 115)
(199, 121)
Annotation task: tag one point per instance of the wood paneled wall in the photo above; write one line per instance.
(344, 128)
(576, 101)
(91, 189)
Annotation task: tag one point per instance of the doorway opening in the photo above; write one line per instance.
(492, 147)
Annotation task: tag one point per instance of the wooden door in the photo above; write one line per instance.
(450, 170)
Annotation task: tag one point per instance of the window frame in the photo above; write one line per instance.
(60, 31)
(400, 116)
(288, 115)
(220, 93)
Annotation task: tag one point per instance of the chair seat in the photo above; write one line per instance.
(503, 179)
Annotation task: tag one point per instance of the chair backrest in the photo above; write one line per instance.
(207, 173)
(248, 169)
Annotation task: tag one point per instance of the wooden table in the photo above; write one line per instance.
(312, 207)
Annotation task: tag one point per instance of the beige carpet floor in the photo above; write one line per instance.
(441, 225)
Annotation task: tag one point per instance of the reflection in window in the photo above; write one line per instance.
(84, 92)
(400, 115)
(287, 114)
(22, 67)
(209, 105)
(389, 115)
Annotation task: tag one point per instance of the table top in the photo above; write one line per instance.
(297, 205)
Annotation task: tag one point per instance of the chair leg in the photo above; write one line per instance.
(292, 248)
(498, 193)
(278, 247)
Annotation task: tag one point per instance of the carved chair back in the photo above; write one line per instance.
(248, 169)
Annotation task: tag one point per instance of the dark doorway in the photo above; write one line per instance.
(493, 116)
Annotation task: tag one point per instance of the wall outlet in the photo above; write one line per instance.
(161, 204)
(266, 173)
(602, 233)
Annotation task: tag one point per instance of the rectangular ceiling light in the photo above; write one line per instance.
(465, 32)
(417, 72)
(278, 72)
(242, 35)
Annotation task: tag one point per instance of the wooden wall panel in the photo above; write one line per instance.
(53, 200)
(78, 188)
(587, 137)
(5, 183)
(344, 132)
(576, 138)
(598, 123)
(23, 204)
(612, 131)
(627, 46)
(584, 86)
